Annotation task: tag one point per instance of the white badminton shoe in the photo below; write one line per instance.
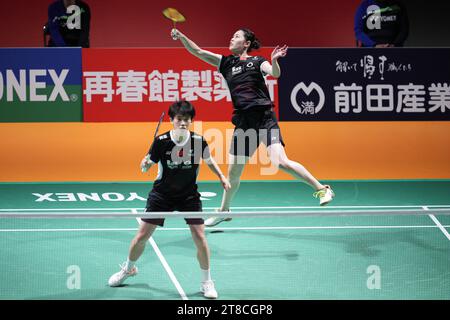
(118, 278)
(214, 221)
(208, 289)
(325, 195)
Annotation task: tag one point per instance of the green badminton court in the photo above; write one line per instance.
(254, 258)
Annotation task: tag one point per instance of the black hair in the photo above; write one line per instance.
(249, 35)
(182, 108)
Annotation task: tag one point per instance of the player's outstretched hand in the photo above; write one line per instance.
(175, 34)
(279, 52)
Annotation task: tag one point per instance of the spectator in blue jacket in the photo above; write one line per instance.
(69, 23)
(381, 23)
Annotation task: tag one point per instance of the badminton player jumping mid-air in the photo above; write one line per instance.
(253, 110)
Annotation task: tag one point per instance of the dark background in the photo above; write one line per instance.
(139, 23)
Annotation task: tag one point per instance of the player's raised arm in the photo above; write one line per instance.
(192, 47)
(274, 69)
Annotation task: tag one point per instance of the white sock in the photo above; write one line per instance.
(130, 264)
(206, 275)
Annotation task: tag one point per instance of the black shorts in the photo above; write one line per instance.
(157, 202)
(253, 127)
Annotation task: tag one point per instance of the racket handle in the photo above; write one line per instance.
(172, 33)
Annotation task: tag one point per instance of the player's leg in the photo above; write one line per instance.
(197, 227)
(155, 203)
(137, 246)
(138, 243)
(277, 155)
(271, 137)
(244, 143)
(203, 255)
(235, 170)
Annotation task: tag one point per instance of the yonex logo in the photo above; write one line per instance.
(100, 197)
(17, 83)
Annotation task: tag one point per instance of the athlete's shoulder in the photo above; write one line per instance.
(259, 58)
(228, 57)
(196, 136)
(163, 136)
(227, 60)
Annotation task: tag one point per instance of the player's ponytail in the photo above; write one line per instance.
(249, 35)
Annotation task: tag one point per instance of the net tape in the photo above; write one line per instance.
(245, 214)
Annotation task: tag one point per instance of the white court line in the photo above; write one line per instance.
(212, 208)
(441, 227)
(165, 264)
(333, 207)
(68, 230)
(227, 228)
(73, 209)
(305, 228)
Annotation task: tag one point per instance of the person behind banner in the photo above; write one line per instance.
(381, 24)
(253, 114)
(177, 153)
(69, 23)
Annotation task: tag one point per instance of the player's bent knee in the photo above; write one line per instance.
(142, 238)
(284, 164)
(198, 235)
